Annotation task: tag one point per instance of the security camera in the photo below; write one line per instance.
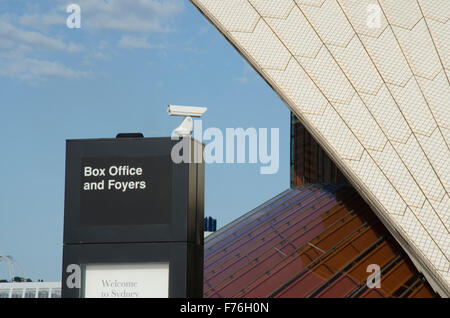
(187, 125)
(186, 111)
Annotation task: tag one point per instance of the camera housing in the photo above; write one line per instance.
(186, 111)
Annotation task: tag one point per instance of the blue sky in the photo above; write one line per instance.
(115, 74)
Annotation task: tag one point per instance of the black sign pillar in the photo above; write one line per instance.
(133, 218)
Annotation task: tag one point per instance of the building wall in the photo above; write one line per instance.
(309, 162)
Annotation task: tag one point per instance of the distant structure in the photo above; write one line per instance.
(210, 225)
(30, 290)
(14, 268)
(17, 286)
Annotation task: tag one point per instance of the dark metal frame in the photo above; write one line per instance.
(179, 243)
(185, 263)
(187, 184)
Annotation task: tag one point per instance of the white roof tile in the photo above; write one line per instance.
(377, 98)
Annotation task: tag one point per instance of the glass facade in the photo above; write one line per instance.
(313, 241)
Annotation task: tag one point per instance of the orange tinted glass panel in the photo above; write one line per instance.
(313, 241)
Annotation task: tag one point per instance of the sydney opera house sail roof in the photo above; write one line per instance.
(369, 80)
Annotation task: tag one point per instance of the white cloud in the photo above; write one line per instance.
(35, 39)
(115, 15)
(33, 44)
(130, 16)
(45, 20)
(36, 69)
(6, 44)
(247, 75)
(130, 42)
(20, 50)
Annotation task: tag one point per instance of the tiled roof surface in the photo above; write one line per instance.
(370, 81)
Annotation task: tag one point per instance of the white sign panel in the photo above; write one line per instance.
(144, 280)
